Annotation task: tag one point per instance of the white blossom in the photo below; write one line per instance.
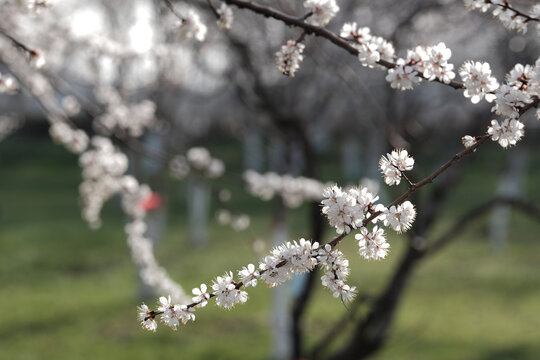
(481, 5)
(350, 31)
(191, 26)
(75, 140)
(322, 11)
(400, 217)
(437, 65)
(372, 245)
(468, 141)
(226, 16)
(201, 295)
(338, 206)
(248, 275)
(506, 133)
(227, 295)
(478, 81)
(289, 57)
(147, 320)
(508, 99)
(172, 314)
(337, 271)
(369, 54)
(520, 76)
(393, 164)
(417, 58)
(403, 76)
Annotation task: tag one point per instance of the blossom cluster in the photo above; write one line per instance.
(478, 81)
(103, 168)
(320, 11)
(346, 210)
(226, 16)
(521, 88)
(293, 190)
(372, 245)
(133, 119)
(429, 62)
(508, 16)
(371, 49)
(289, 57)
(199, 159)
(394, 164)
(75, 140)
(191, 26)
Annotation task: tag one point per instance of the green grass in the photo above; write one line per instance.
(70, 293)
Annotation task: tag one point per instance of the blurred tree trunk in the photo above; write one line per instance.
(509, 186)
(351, 159)
(253, 150)
(198, 201)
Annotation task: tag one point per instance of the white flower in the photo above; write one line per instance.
(482, 5)
(437, 66)
(248, 275)
(510, 19)
(226, 16)
(322, 11)
(338, 206)
(365, 200)
(507, 133)
(345, 292)
(385, 48)
(369, 54)
(301, 257)
(170, 312)
(184, 313)
(468, 141)
(402, 77)
(393, 164)
(146, 318)
(478, 81)
(349, 31)
(372, 245)
(508, 99)
(227, 295)
(191, 26)
(271, 273)
(289, 57)
(401, 217)
(201, 295)
(417, 58)
(520, 76)
(337, 271)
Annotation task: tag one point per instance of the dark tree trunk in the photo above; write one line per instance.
(371, 333)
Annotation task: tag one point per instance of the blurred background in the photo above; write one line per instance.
(462, 284)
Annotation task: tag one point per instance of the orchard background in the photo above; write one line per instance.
(138, 74)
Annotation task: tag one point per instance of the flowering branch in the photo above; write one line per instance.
(310, 29)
